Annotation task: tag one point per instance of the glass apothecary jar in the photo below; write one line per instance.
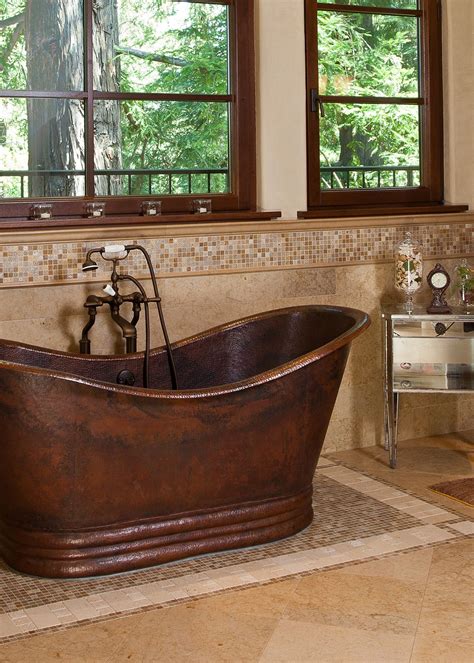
(151, 207)
(464, 281)
(41, 211)
(93, 210)
(408, 269)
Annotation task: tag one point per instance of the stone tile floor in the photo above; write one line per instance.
(385, 574)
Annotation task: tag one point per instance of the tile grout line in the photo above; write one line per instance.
(421, 610)
(125, 600)
(385, 483)
(191, 599)
(314, 565)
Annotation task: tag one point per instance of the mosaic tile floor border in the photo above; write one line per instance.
(409, 523)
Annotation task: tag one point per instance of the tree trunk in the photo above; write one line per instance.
(55, 61)
(345, 140)
(356, 149)
(107, 128)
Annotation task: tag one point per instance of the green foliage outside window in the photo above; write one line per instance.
(368, 55)
(159, 46)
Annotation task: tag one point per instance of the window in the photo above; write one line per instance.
(375, 132)
(123, 100)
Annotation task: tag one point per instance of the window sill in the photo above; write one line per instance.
(27, 225)
(377, 210)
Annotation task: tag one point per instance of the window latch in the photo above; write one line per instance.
(316, 103)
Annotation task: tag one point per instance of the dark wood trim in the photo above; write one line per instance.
(432, 112)
(162, 96)
(369, 196)
(381, 210)
(312, 116)
(89, 110)
(127, 220)
(244, 153)
(348, 99)
(130, 205)
(242, 150)
(359, 9)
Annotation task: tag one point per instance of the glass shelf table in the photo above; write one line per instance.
(423, 353)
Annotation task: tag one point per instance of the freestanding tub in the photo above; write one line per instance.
(99, 478)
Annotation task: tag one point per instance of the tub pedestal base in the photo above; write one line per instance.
(82, 553)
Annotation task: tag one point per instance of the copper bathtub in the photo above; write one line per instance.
(99, 478)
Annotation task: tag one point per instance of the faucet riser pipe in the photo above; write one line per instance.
(84, 347)
(130, 345)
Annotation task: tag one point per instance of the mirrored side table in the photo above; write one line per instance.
(424, 353)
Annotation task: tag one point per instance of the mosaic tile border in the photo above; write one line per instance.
(189, 599)
(51, 263)
(429, 525)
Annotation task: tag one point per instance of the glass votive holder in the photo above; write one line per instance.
(94, 209)
(202, 206)
(41, 211)
(151, 207)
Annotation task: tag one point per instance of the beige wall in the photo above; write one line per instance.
(281, 107)
(52, 316)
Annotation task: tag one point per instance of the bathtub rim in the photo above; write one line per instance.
(361, 322)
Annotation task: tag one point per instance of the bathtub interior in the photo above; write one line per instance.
(222, 357)
(264, 344)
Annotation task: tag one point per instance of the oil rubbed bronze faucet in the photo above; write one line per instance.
(114, 299)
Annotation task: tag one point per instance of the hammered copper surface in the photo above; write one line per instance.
(98, 478)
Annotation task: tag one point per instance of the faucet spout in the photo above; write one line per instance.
(129, 332)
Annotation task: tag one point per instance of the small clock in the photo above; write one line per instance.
(438, 280)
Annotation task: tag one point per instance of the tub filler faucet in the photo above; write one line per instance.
(114, 299)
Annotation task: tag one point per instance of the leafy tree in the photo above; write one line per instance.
(139, 46)
(163, 46)
(368, 55)
(171, 134)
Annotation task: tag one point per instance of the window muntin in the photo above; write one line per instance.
(377, 89)
(174, 112)
(391, 4)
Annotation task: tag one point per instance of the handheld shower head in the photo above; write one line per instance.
(89, 265)
(108, 252)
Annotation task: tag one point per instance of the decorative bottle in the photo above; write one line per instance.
(408, 269)
(465, 284)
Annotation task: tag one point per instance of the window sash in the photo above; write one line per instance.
(430, 103)
(241, 104)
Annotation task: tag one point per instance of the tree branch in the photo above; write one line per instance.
(15, 36)
(12, 20)
(154, 57)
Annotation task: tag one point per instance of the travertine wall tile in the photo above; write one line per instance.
(226, 277)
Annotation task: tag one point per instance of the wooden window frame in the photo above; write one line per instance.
(242, 148)
(352, 202)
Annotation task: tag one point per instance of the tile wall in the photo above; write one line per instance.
(43, 262)
(207, 278)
